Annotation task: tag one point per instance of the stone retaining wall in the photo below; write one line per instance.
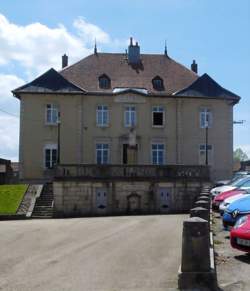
(79, 198)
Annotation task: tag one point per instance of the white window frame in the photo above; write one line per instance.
(50, 147)
(206, 118)
(129, 111)
(158, 109)
(158, 150)
(54, 114)
(102, 110)
(202, 161)
(102, 149)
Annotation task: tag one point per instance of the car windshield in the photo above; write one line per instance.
(240, 182)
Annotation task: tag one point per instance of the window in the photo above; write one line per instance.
(102, 116)
(158, 83)
(52, 114)
(104, 82)
(202, 154)
(205, 118)
(130, 116)
(157, 154)
(102, 153)
(158, 116)
(50, 156)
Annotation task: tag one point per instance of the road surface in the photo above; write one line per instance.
(127, 253)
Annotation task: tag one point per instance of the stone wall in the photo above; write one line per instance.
(80, 198)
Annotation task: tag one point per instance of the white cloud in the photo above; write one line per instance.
(9, 133)
(8, 83)
(90, 32)
(37, 47)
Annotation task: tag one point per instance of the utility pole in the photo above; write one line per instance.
(58, 138)
(206, 140)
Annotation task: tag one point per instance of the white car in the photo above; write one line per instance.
(229, 200)
(236, 184)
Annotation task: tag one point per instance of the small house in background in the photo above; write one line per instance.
(245, 165)
(5, 171)
(15, 171)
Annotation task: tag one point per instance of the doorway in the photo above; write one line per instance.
(101, 200)
(129, 154)
(164, 199)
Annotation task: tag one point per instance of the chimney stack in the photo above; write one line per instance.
(133, 53)
(64, 61)
(194, 67)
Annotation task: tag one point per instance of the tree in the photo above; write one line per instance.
(239, 155)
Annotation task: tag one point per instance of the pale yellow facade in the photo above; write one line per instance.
(181, 133)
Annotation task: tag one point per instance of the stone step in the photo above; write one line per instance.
(42, 216)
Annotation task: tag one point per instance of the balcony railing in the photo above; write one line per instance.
(136, 172)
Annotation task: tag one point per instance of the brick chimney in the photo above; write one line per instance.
(64, 61)
(133, 53)
(194, 67)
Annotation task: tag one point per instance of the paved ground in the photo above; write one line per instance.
(233, 266)
(93, 254)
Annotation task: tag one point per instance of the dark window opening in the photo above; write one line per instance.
(158, 84)
(50, 158)
(158, 118)
(104, 82)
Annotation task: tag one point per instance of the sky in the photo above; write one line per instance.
(35, 34)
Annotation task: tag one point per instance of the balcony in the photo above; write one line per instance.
(131, 172)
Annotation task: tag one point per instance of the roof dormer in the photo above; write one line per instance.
(104, 82)
(157, 83)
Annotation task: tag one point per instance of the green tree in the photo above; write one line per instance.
(239, 155)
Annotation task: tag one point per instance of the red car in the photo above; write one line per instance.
(240, 234)
(224, 195)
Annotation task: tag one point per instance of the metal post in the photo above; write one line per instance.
(58, 138)
(206, 162)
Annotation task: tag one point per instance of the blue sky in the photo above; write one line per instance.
(34, 35)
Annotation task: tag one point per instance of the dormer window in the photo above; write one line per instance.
(158, 83)
(104, 82)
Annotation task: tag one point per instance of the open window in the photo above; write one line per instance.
(158, 116)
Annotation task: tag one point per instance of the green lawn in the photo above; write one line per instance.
(10, 197)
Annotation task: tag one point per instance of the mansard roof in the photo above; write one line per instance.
(205, 86)
(85, 73)
(49, 82)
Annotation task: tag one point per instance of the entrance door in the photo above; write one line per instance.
(164, 197)
(129, 154)
(101, 200)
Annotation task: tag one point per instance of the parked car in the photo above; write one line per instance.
(236, 210)
(240, 234)
(219, 199)
(236, 184)
(236, 176)
(231, 199)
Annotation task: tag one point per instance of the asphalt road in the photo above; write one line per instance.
(93, 254)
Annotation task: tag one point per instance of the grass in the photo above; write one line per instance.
(11, 197)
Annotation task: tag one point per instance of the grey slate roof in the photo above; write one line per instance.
(205, 86)
(49, 82)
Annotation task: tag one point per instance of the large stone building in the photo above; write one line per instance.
(131, 108)
(124, 133)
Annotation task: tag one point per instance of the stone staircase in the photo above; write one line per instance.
(44, 204)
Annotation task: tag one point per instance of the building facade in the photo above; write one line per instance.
(132, 108)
